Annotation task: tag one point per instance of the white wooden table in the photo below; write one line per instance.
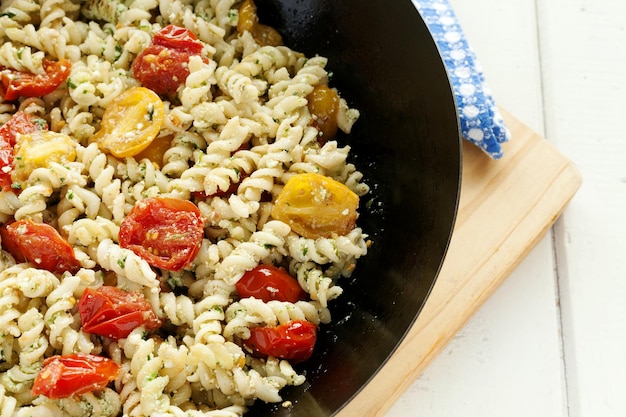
(552, 340)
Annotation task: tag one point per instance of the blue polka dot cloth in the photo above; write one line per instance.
(481, 122)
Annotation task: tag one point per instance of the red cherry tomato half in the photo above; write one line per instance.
(15, 84)
(176, 37)
(161, 69)
(166, 232)
(41, 245)
(267, 282)
(163, 66)
(66, 376)
(19, 123)
(112, 312)
(293, 341)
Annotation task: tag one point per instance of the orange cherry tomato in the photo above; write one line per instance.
(247, 17)
(69, 375)
(267, 282)
(112, 312)
(323, 104)
(15, 84)
(130, 123)
(41, 245)
(156, 150)
(316, 206)
(20, 123)
(249, 21)
(166, 232)
(293, 341)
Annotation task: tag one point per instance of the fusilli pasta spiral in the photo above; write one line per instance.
(236, 127)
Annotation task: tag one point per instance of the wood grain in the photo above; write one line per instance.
(506, 206)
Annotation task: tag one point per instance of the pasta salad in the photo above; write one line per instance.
(176, 210)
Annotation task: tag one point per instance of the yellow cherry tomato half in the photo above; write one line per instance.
(38, 149)
(314, 206)
(131, 122)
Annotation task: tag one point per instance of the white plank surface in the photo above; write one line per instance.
(552, 340)
(584, 56)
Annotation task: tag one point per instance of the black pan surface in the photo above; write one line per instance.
(384, 63)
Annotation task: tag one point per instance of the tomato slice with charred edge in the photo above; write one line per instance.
(112, 312)
(267, 282)
(15, 84)
(41, 245)
(19, 123)
(69, 375)
(293, 341)
(166, 232)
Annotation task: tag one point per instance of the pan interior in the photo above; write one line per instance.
(406, 142)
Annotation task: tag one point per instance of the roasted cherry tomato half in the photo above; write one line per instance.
(112, 312)
(316, 206)
(293, 341)
(130, 123)
(15, 84)
(163, 65)
(20, 123)
(69, 375)
(41, 245)
(267, 283)
(166, 232)
(323, 104)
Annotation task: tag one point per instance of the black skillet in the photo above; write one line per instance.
(385, 63)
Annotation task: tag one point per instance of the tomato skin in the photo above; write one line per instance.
(10, 246)
(166, 232)
(176, 37)
(69, 375)
(41, 245)
(162, 66)
(19, 123)
(15, 84)
(114, 313)
(267, 283)
(292, 341)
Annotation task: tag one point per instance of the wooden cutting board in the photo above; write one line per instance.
(506, 206)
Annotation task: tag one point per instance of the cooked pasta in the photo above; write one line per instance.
(236, 127)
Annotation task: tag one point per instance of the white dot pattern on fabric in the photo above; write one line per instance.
(467, 90)
(471, 111)
(479, 117)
